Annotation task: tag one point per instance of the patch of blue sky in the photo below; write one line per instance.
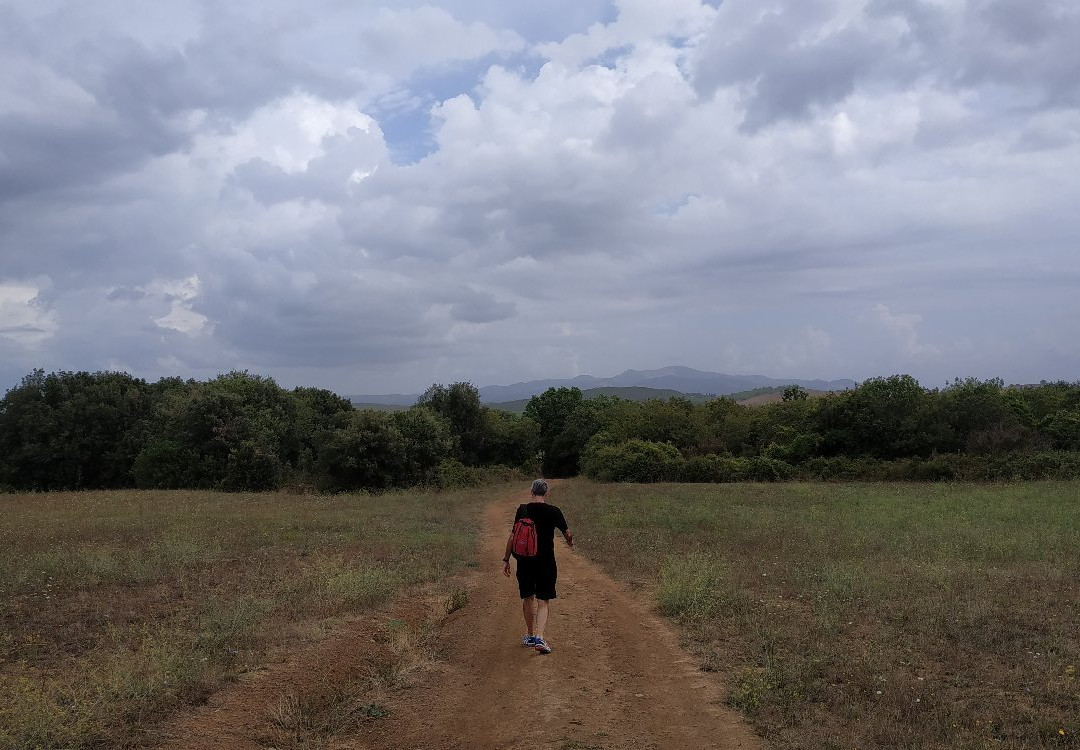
(408, 133)
(405, 114)
(610, 58)
(670, 208)
(527, 67)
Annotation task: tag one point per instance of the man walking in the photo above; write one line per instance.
(536, 575)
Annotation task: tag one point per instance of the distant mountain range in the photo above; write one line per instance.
(678, 379)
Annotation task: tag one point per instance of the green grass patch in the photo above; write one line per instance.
(865, 615)
(695, 587)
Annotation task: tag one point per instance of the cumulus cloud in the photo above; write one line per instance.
(23, 317)
(179, 294)
(730, 186)
(810, 348)
(403, 40)
(903, 327)
(476, 307)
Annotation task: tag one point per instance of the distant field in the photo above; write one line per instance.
(117, 608)
(864, 616)
(379, 407)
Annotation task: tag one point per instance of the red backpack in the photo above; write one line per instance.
(524, 538)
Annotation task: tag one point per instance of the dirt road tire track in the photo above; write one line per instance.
(616, 679)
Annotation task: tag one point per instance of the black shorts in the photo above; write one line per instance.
(536, 577)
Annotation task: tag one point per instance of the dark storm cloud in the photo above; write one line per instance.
(338, 321)
(123, 294)
(501, 219)
(789, 58)
(1028, 45)
(477, 307)
(21, 330)
(784, 74)
(107, 237)
(231, 70)
(56, 135)
(61, 154)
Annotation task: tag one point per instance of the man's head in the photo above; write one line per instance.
(539, 488)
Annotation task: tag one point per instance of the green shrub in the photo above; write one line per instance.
(936, 469)
(833, 468)
(427, 441)
(1044, 465)
(634, 461)
(754, 469)
(1063, 428)
(452, 474)
(945, 467)
(252, 467)
(708, 468)
(763, 469)
(799, 449)
(364, 451)
(164, 465)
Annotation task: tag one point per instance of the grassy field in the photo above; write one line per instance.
(118, 608)
(863, 615)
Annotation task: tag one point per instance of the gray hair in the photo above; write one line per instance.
(539, 487)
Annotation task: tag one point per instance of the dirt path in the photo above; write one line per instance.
(616, 679)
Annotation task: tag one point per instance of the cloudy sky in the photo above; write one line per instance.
(374, 196)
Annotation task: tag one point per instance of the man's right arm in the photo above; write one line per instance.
(506, 555)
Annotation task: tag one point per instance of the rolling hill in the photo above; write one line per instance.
(664, 382)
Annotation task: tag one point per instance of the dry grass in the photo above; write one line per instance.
(341, 698)
(118, 608)
(866, 616)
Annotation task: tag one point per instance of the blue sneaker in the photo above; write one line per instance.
(529, 640)
(541, 645)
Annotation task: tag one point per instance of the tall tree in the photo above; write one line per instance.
(551, 410)
(72, 430)
(459, 404)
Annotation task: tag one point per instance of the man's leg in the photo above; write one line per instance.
(541, 617)
(528, 608)
(546, 577)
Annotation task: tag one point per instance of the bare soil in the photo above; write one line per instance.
(616, 678)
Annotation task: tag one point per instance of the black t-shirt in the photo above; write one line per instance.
(547, 518)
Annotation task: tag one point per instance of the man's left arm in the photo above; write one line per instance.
(560, 524)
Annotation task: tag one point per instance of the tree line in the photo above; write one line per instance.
(885, 429)
(239, 431)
